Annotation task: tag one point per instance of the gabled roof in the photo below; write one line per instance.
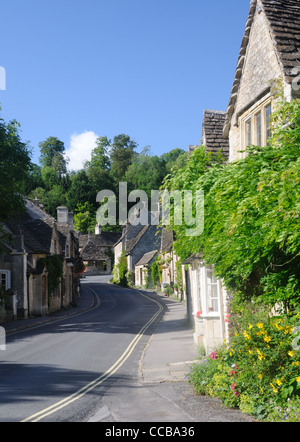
(284, 22)
(92, 252)
(103, 239)
(212, 132)
(147, 258)
(132, 242)
(37, 228)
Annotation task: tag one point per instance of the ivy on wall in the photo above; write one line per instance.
(54, 266)
(252, 214)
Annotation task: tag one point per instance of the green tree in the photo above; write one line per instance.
(146, 172)
(52, 155)
(175, 158)
(80, 191)
(122, 152)
(14, 169)
(84, 217)
(99, 156)
(53, 198)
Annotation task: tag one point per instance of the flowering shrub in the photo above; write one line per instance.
(259, 372)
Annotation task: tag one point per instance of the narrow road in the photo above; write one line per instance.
(58, 371)
(85, 368)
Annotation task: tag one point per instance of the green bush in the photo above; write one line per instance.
(120, 271)
(259, 372)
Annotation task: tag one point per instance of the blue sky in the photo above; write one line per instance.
(78, 69)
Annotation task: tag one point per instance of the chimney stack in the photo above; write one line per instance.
(62, 215)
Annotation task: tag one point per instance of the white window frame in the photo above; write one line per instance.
(7, 274)
(206, 310)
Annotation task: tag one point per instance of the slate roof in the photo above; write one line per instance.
(104, 239)
(37, 226)
(167, 237)
(93, 252)
(146, 258)
(212, 132)
(284, 20)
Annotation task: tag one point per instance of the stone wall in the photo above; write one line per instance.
(261, 67)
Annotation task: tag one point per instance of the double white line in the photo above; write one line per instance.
(94, 384)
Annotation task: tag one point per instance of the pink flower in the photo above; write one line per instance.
(233, 386)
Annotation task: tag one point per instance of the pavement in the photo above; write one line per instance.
(171, 349)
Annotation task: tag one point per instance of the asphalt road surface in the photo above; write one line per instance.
(85, 368)
(58, 371)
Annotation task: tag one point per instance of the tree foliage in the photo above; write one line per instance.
(14, 169)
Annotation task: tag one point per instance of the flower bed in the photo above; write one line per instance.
(259, 372)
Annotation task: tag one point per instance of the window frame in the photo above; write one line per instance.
(251, 115)
(7, 274)
(206, 301)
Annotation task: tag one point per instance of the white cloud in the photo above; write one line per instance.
(81, 146)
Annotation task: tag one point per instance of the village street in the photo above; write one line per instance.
(86, 367)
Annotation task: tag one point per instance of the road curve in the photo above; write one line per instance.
(57, 371)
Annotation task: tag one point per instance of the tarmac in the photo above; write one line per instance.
(162, 387)
(169, 352)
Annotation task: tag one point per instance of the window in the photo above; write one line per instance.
(5, 279)
(256, 124)
(248, 132)
(268, 111)
(212, 295)
(258, 129)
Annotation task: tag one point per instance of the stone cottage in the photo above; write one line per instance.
(97, 250)
(39, 262)
(137, 239)
(270, 52)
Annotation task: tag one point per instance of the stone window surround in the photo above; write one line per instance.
(7, 278)
(250, 115)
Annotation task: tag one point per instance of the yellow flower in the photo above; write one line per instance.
(250, 326)
(297, 363)
(274, 388)
(260, 376)
(298, 379)
(247, 336)
(288, 330)
(279, 327)
(267, 338)
(260, 325)
(278, 382)
(291, 353)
